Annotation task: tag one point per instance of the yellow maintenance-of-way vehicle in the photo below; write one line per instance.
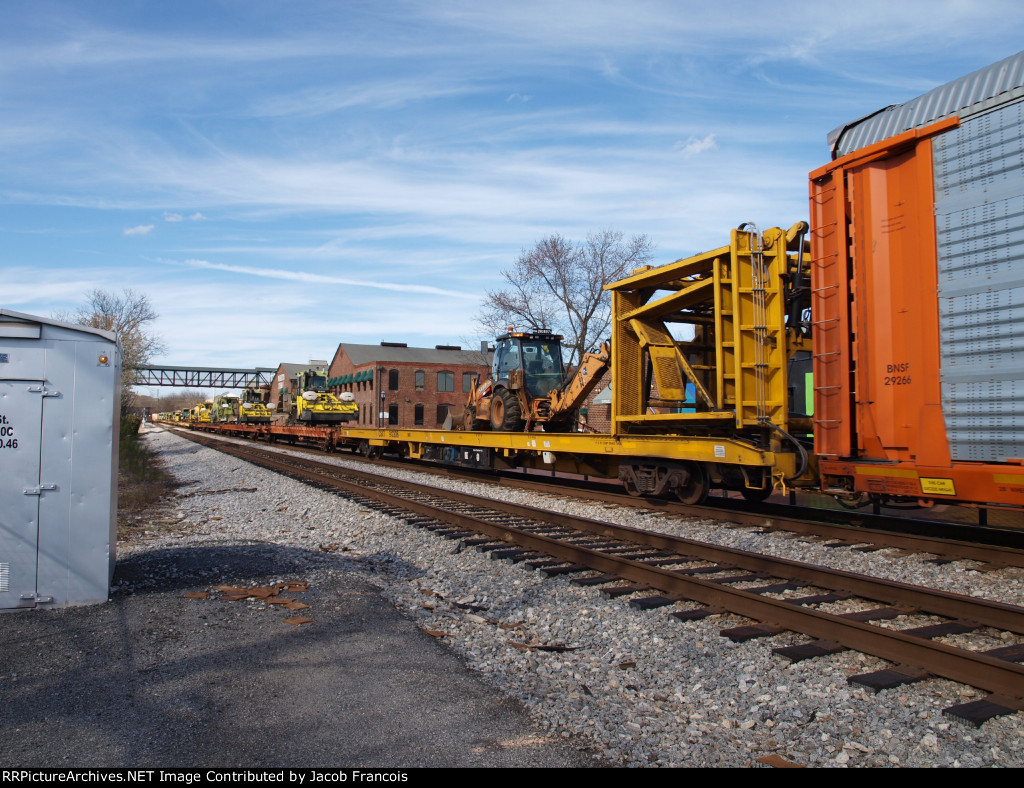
(316, 405)
(529, 385)
(253, 409)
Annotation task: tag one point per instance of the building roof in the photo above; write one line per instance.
(293, 369)
(373, 354)
(21, 316)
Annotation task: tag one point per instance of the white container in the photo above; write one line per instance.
(59, 424)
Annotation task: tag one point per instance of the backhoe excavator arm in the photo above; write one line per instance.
(579, 386)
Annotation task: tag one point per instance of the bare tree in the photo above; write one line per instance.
(128, 315)
(558, 284)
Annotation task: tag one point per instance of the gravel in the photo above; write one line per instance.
(640, 688)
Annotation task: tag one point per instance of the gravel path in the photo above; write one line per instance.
(642, 689)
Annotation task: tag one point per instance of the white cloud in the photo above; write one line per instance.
(695, 145)
(173, 217)
(310, 278)
(141, 229)
(197, 217)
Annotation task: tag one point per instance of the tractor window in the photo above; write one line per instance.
(542, 364)
(506, 358)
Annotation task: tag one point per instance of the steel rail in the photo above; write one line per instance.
(994, 675)
(984, 612)
(811, 522)
(804, 524)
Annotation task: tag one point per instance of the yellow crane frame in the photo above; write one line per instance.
(729, 307)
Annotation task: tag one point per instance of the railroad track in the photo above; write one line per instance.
(897, 622)
(992, 548)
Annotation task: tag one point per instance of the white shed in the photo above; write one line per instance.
(59, 422)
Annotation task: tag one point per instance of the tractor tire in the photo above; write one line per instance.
(506, 415)
(472, 424)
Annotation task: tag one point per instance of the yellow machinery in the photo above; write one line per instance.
(200, 414)
(528, 385)
(253, 409)
(225, 409)
(315, 404)
(726, 321)
(724, 324)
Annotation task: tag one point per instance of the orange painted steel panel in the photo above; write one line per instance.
(879, 426)
(996, 485)
(875, 304)
(830, 311)
(895, 302)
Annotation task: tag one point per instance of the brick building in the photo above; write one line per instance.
(397, 385)
(596, 412)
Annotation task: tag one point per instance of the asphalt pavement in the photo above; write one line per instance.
(156, 679)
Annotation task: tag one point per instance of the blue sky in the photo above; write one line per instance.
(282, 176)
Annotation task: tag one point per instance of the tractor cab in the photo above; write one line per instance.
(530, 360)
(253, 397)
(313, 381)
(253, 410)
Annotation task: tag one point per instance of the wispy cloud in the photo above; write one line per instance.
(372, 95)
(142, 229)
(695, 145)
(323, 279)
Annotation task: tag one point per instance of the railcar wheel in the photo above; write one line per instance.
(631, 488)
(368, 451)
(505, 412)
(695, 489)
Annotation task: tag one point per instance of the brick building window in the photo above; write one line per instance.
(421, 379)
(392, 415)
(418, 416)
(446, 381)
(442, 414)
(467, 381)
(393, 380)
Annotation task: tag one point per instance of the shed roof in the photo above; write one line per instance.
(11, 315)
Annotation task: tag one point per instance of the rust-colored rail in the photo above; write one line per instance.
(1003, 677)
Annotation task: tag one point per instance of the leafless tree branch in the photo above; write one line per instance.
(559, 284)
(128, 315)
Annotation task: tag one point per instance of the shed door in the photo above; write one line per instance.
(21, 421)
